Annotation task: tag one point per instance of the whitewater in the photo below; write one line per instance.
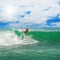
(9, 38)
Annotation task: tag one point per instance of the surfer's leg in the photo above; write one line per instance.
(23, 35)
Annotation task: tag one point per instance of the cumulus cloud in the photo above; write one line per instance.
(28, 11)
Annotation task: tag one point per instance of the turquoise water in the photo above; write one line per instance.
(43, 50)
(31, 52)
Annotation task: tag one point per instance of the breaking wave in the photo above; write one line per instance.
(9, 38)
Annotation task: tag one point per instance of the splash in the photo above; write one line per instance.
(9, 38)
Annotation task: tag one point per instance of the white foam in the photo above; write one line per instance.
(9, 38)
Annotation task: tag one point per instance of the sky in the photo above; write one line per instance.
(29, 13)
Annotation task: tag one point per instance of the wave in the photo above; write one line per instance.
(9, 38)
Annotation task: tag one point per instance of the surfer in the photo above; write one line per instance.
(24, 32)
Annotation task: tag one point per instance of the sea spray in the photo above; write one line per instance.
(9, 38)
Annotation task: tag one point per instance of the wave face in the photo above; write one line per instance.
(9, 38)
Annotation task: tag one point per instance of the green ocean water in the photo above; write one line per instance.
(47, 48)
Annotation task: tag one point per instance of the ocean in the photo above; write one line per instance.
(45, 45)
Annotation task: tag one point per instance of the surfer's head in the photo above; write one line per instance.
(26, 30)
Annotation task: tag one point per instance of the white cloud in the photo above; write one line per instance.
(37, 7)
(57, 24)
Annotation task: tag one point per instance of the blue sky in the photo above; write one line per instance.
(53, 21)
(29, 13)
